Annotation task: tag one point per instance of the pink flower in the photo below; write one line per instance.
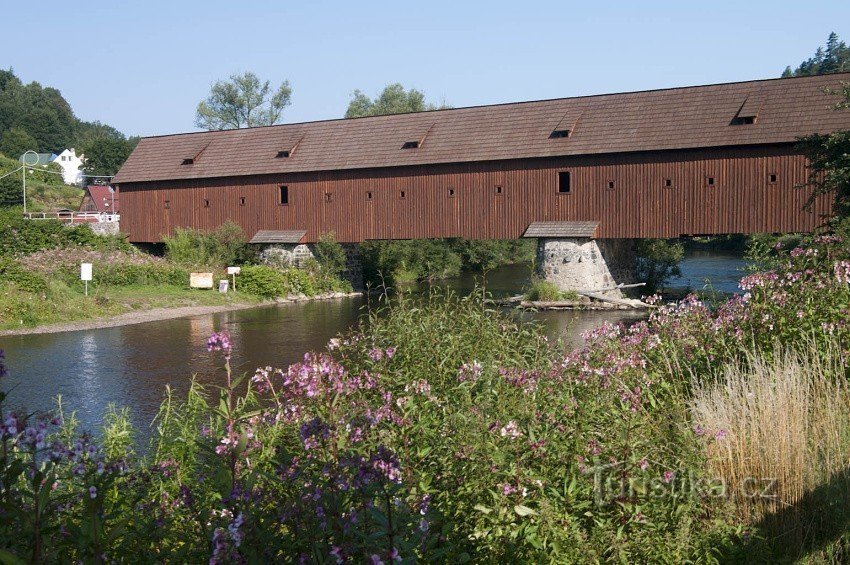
(668, 476)
(720, 434)
(390, 352)
(219, 342)
(643, 464)
(510, 430)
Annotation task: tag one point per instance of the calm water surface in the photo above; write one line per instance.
(131, 365)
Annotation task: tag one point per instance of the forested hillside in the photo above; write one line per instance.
(38, 118)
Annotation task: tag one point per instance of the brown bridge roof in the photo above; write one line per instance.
(678, 118)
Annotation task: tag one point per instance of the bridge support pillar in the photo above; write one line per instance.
(297, 254)
(586, 264)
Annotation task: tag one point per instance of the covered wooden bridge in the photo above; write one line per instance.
(716, 159)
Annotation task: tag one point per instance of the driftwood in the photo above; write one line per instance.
(610, 288)
(620, 301)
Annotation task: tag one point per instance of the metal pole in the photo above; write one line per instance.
(24, 183)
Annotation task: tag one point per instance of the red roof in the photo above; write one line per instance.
(734, 114)
(104, 198)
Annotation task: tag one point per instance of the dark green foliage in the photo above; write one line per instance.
(393, 100)
(39, 111)
(545, 291)
(22, 237)
(12, 272)
(485, 254)
(835, 58)
(42, 120)
(222, 247)
(131, 274)
(408, 261)
(15, 142)
(829, 162)
(657, 261)
(428, 259)
(269, 282)
(330, 254)
(104, 156)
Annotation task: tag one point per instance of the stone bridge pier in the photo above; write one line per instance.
(284, 248)
(569, 256)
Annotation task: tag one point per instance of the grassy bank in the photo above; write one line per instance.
(40, 270)
(445, 431)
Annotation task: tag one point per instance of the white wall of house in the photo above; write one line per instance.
(71, 164)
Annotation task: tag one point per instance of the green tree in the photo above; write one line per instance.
(42, 112)
(243, 101)
(15, 142)
(657, 261)
(829, 162)
(104, 156)
(393, 100)
(834, 58)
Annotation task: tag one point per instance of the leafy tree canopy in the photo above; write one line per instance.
(105, 155)
(243, 101)
(834, 58)
(39, 118)
(829, 161)
(393, 100)
(15, 142)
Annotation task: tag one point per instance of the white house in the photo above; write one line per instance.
(71, 164)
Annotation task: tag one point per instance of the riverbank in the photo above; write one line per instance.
(167, 313)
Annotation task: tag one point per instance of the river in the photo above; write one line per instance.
(131, 365)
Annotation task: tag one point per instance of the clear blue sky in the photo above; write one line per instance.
(143, 67)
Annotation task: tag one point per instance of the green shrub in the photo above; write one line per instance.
(657, 261)
(19, 236)
(131, 274)
(12, 272)
(544, 291)
(222, 247)
(261, 280)
(330, 254)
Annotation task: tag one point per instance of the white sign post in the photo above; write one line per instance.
(233, 271)
(85, 275)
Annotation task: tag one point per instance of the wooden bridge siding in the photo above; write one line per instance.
(640, 205)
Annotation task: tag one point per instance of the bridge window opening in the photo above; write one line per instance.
(206, 203)
(709, 181)
(283, 154)
(188, 162)
(284, 195)
(610, 185)
(743, 120)
(241, 200)
(498, 190)
(167, 204)
(560, 133)
(668, 183)
(451, 193)
(564, 182)
(410, 145)
(329, 197)
(369, 195)
(402, 194)
(771, 178)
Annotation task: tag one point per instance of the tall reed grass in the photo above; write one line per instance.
(776, 430)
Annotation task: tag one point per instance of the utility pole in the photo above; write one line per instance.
(24, 174)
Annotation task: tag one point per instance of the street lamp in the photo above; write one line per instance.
(24, 174)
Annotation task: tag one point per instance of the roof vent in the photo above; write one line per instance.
(283, 154)
(411, 145)
(559, 133)
(192, 153)
(415, 136)
(748, 113)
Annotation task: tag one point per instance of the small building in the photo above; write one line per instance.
(71, 163)
(100, 198)
(68, 161)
